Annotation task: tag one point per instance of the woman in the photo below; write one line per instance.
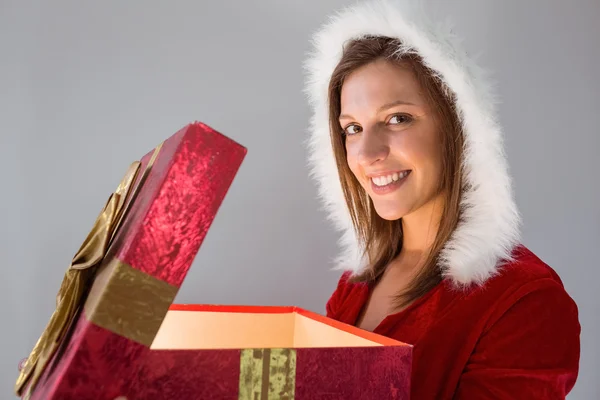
(408, 156)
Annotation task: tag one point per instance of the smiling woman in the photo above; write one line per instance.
(400, 144)
(383, 141)
(409, 160)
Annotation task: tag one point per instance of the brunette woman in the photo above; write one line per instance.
(408, 154)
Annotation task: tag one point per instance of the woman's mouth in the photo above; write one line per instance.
(383, 184)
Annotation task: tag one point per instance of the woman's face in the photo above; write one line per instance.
(392, 139)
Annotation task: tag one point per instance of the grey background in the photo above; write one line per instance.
(87, 87)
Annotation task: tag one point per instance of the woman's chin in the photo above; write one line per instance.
(390, 212)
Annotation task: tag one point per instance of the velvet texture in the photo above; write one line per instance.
(99, 365)
(516, 337)
(160, 237)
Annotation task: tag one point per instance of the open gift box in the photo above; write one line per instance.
(116, 334)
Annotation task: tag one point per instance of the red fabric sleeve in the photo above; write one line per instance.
(529, 349)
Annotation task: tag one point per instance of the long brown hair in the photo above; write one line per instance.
(382, 239)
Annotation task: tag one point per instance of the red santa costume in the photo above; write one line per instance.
(500, 324)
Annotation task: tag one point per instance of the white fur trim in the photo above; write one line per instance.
(490, 230)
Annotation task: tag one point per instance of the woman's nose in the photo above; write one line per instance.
(373, 148)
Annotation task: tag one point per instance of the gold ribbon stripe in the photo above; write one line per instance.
(267, 374)
(129, 302)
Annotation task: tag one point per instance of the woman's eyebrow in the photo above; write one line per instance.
(394, 104)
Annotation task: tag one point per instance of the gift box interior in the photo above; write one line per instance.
(190, 326)
(116, 333)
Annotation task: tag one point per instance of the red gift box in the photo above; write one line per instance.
(116, 334)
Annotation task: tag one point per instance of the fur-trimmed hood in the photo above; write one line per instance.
(489, 230)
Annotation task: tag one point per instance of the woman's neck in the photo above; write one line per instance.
(420, 228)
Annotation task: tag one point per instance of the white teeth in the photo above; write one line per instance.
(386, 180)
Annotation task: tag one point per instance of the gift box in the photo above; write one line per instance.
(116, 334)
(254, 352)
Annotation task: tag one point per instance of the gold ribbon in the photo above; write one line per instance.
(80, 275)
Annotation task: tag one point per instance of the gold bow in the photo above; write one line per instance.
(79, 277)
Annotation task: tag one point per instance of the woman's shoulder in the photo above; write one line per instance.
(525, 275)
(526, 266)
(528, 296)
(527, 325)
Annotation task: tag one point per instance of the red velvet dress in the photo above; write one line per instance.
(517, 337)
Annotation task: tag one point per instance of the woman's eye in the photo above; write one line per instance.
(400, 119)
(352, 129)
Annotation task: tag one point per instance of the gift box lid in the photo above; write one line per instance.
(131, 265)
